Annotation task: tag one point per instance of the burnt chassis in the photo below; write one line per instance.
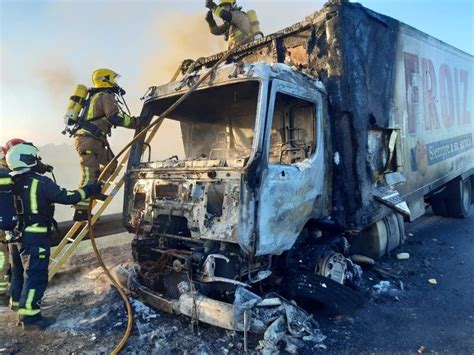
(202, 226)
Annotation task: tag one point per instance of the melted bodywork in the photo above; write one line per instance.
(206, 196)
(216, 199)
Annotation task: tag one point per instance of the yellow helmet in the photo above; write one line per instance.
(231, 2)
(104, 78)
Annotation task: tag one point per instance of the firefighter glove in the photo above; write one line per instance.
(210, 4)
(210, 18)
(9, 236)
(94, 188)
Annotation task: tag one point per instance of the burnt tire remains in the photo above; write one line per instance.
(316, 288)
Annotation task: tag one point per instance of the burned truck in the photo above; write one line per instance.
(305, 147)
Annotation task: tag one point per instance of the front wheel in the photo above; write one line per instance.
(308, 288)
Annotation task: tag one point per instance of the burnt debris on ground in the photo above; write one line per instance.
(404, 312)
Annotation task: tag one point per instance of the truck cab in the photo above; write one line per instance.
(256, 143)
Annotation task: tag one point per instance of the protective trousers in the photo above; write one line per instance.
(4, 266)
(16, 283)
(240, 30)
(34, 253)
(94, 156)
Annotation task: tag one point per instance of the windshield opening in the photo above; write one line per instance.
(216, 123)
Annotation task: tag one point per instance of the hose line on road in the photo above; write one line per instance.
(137, 137)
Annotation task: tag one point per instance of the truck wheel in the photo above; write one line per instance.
(380, 238)
(438, 205)
(304, 286)
(458, 198)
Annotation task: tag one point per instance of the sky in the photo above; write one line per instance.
(49, 46)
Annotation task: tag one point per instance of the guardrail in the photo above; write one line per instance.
(107, 225)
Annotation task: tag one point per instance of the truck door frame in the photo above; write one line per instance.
(279, 219)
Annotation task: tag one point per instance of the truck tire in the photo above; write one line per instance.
(458, 198)
(380, 238)
(472, 188)
(438, 205)
(307, 287)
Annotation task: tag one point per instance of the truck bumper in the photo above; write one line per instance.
(208, 310)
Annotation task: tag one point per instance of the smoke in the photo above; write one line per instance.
(58, 77)
(177, 37)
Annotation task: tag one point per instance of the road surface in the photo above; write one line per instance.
(426, 317)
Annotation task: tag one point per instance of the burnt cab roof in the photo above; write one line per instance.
(231, 74)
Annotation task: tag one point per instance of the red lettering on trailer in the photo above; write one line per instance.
(453, 94)
(464, 78)
(446, 93)
(429, 94)
(457, 100)
(412, 71)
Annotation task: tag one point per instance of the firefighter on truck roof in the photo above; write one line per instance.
(239, 27)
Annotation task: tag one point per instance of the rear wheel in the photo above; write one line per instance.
(459, 198)
(438, 205)
(455, 200)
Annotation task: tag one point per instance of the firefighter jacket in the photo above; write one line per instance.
(236, 27)
(4, 261)
(103, 113)
(37, 195)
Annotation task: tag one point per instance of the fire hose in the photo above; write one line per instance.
(122, 291)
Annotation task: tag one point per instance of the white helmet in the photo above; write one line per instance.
(22, 156)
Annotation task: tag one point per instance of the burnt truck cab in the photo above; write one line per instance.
(255, 172)
(255, 137)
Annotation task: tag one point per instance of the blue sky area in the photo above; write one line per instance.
(46, 47)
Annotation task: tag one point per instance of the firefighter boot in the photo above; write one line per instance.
(37, 322)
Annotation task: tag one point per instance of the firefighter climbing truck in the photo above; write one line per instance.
(306, 147)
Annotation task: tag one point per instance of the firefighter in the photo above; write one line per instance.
(4, 260)
(35, 197)
(6, 236)
(237, 27)
(102, 113)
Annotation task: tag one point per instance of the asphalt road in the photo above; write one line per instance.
(417, 315)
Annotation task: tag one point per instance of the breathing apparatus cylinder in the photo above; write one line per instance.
(254, 23)
(75, 104)
(8, 217)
